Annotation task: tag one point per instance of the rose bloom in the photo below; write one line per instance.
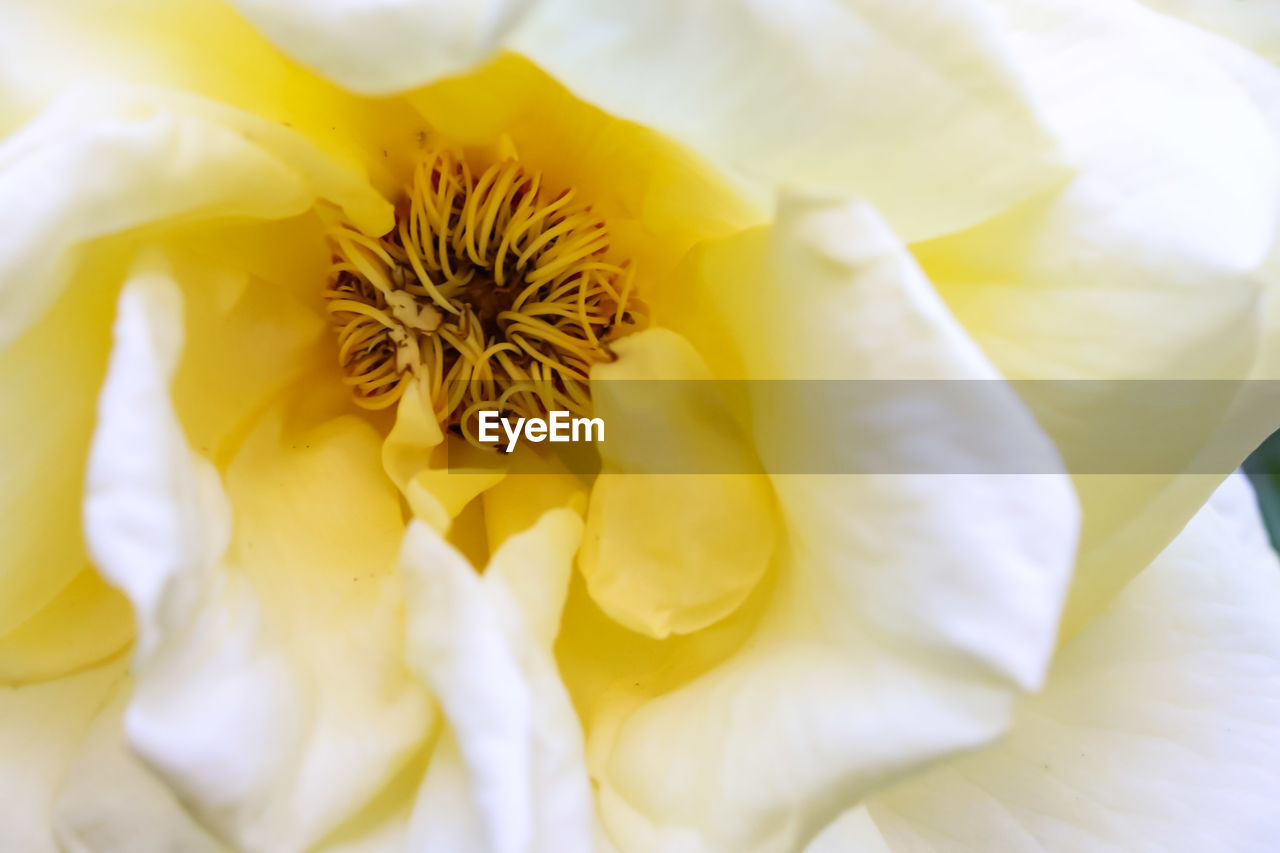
(261, 263)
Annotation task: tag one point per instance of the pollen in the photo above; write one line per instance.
(491, 291)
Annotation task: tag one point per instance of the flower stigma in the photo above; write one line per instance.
(492, 291)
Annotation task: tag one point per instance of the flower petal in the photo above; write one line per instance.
(48, 380)
(205, 48)
(509, 774)
(270, 691)
(658, 197)
(1261, 81)
(86, 622)
(103, 160)
(1144, 266)
(910, 610)
(811, 95)
(854, 830)
(1157, 730)
(671, 552)
(43, 726)
(1176, 200)
(434, 482)
(1255, 25)
(808, 94)
(380, 46)
(93, 165)
(248, 340)
(107, 802)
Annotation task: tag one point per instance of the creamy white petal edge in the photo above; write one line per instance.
(380, 46)
(273, 734)
(43, 726)
(1175, 205)
(509, 776)
(102, 159)
(1157, 731)
(909, 610)
(1255, 24)
(269, 726)
(807, 94)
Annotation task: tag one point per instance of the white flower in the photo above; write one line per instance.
(272, 635)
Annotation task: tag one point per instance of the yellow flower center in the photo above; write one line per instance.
(490, 290)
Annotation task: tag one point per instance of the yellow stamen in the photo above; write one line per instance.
(529, 293)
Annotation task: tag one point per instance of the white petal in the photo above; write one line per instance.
(1261, 81)
(1255, 24)
(853, 831)
(270, 693)
(1176, 201)
(105, 159)
(47, 48)
(382, 46)
(154, 513)
(808, 94)
(910, 609)
(456, 645)
(1143, 266)
(43, 725)
(509, 775)
(108, 802)
(1158, 729)
(918, 110)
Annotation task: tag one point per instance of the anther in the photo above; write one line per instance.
(491, 291)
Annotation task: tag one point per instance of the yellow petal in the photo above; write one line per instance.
(48, 380)
(658, 198)
(624, 169)
(248, 339)
(205, 48)
(534, 484)
(89, 167)
(86, 622)
(434, 479)
(855, 830)
(910, 610)
(671, 552)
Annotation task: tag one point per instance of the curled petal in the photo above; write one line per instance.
(1173, 210)
(508, 776)
(1157, 729)
(671, 552)
(909, 611)
(268, 643)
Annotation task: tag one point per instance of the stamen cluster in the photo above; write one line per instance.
(491, 291)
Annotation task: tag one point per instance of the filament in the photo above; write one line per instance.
(490, 291)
